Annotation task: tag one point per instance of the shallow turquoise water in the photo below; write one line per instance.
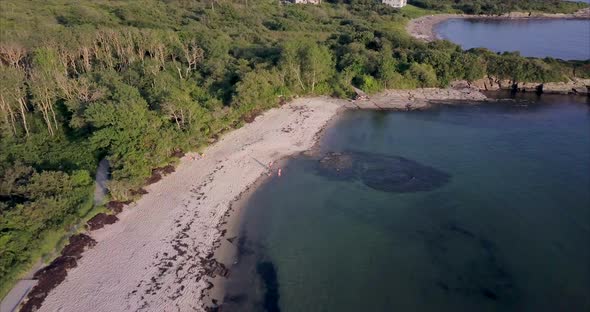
(563, 39)
(509, 231)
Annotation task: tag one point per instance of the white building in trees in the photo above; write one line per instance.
(395, 3)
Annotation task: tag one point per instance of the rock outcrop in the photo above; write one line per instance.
(573, 86)
(421, 98)
(577, 86)
(492, 84)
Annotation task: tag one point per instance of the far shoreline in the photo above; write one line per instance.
(424, 28)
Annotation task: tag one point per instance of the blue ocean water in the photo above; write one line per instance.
(504, 225)
(562, 39)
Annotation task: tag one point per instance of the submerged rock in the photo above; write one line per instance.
(337, 165)
(384, 173)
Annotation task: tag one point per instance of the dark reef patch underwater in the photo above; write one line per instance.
(479, 272)
(382, 172)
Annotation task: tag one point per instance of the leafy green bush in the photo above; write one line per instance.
(422, 73)
(35, 202)
(368, 84)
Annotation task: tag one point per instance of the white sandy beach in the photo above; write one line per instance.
(176, 223)
(151, 260)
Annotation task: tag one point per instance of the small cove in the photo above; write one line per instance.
(567, 39)
(506, 232)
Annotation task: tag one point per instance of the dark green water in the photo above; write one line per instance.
(509, 230)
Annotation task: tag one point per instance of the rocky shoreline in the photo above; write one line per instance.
(574, 86)
(417, 99)
(423, 28)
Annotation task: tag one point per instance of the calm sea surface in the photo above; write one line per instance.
(563, 39)
(470, 208)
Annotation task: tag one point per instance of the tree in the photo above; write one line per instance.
(291, 65)
(43, 86)
(423, 73)
(386, 71)
(257, 90)
(176, 100)
(132, 134)
(306, 64)
(13, 106)
(316, 65)
(474, 66)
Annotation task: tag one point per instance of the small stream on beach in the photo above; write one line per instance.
(567, 39)
(458, 208)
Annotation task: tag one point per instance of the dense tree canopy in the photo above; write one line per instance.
(137, 81)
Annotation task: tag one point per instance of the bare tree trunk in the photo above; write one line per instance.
(9, 114)
(182, 116)
(63, 59)
(13, 54)
(179, 70)
(23, 113)
(45, 104)
(46, 118)
(176, 120)
(53, 114)
(297, 71)
(86, 59)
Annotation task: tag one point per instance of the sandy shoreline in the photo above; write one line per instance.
(424, 28)
(155, 257)
(227, 248)
(160, 255)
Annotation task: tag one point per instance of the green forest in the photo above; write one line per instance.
(140, 82)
